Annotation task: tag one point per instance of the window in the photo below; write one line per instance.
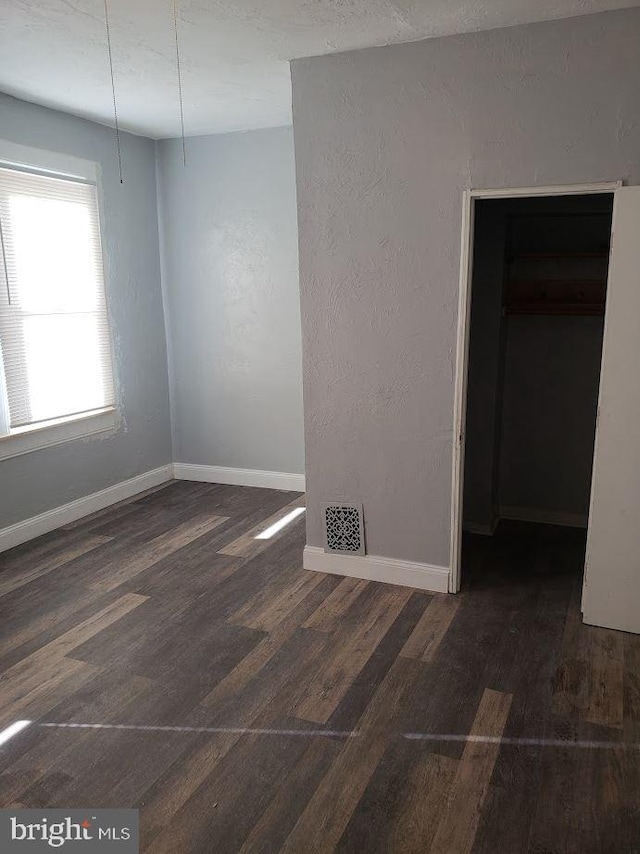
(54, 335)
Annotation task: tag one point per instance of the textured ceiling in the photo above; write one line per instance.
(234, 54)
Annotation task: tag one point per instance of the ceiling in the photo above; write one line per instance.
(234, 54)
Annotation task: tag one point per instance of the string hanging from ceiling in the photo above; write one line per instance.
(177, 41)
(113, 88)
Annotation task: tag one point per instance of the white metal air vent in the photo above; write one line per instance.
(343, 528)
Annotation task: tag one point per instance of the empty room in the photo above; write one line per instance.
(319, 447)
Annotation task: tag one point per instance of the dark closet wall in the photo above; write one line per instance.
(550, 396)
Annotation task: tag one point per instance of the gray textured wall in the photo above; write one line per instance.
(230, 275)
(386, 140)
(38, 481)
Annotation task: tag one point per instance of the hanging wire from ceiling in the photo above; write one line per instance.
(177, 40)
(113, 88)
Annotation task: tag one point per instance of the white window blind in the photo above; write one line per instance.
(54, 335)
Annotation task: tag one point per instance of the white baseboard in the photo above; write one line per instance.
(422, 576)
(239, 477)
(19, 533)
(547, 517)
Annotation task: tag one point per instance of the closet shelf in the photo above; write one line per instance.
(556, 296)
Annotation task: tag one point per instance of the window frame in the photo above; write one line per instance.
(32, 437)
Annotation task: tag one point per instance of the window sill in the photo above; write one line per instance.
(23, 440)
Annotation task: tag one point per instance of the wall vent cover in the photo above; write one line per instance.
(343, 528)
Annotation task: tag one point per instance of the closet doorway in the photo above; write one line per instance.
(535, 304)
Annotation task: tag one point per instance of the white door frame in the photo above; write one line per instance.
(462, 345)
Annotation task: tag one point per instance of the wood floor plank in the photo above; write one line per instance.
(164, 800)
(144, 522)
(570, 686)
(605, 675)
(265, 762)
(28, 553)
(425, 799)
(10, 581)
(33, 626)
(88, 628)
(277, 821)
(517, 775)
(589, 682)
(328, 812)
(113, 510)
(403, 801)
(44, 790)
(266, 612)
(202, 651)
(47, 662)
(155, 550)
(94, 700)
(551, 828)
(350, 652)
(363, 688)
(632, 687)
(326, 618)
(173, 791)
(117, 768)
(433, 626)
(136, 632)
(235, 682)
(32, 697)
(246, 545)
(457, 827)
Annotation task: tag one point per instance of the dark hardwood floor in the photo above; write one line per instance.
(170, 661)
